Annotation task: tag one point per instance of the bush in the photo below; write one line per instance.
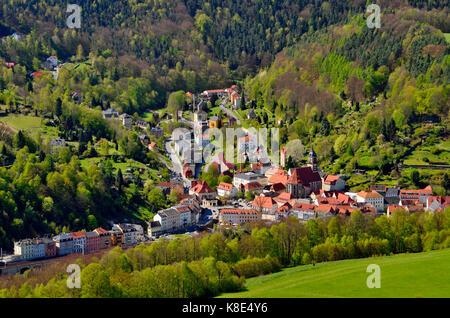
(251, 267)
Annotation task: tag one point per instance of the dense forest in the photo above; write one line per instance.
(214, 263)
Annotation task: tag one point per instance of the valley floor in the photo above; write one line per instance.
(404, 275)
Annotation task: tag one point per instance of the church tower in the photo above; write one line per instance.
(312, 160)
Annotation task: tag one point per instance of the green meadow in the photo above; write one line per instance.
(404, 275)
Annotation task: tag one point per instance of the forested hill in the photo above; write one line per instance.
(364, 98)
(187, 44)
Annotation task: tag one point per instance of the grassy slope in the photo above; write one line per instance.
(405, 275)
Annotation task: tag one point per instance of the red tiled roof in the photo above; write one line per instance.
(252, 186)
(277, 187)
(278, 178)
(425, 191)
(305, 206)
(304, 175)
(38, 74)
(238, 211)
(263, 202)
(284, 197)
(331, 179)
(101, 230)
(369, 194)
(202, 187)
(76, 235)
(284, 208)
(443, 200)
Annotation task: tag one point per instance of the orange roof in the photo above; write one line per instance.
(284, 208)
(225, 186)
(252, 186)
(424, 191)
(278, 178)
(275, 170)
(76, 235)
(284, 197)
(305, 206)
(202, 187)
(331, 179)
(263, 202)
(369, 195)
(101, 230)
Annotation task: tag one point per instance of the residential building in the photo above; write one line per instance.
(304, 211)
(129, 233)
(373, 198)
(104, 238)
(214, 122)
(79, 242)
(50, 247)
(238, 216)
(333, 183)
(284, 198)
(265, 205)
(392, 197)
(92, 241)
(127, 120)
(24, 248)
(226, 190)
(202, 190)
(64, 244)
(420, 194)
(116, 236)
(247, 177)
(253, 186)
(110, 113)
(169, 219)
(185, 215)
(154, 229)
(142, 124)
(437, 203)
(56, 144)
(157, 132)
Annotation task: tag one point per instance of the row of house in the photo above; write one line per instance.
(123, 234)
(183, 215)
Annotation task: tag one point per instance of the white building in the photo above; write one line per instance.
(130, 233)
(127, 121)
(25, 249)
(333, 183)
(168, 218)
(238, 216)
(226, 190)
(371, 197)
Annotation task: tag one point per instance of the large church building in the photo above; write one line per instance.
(304, 180)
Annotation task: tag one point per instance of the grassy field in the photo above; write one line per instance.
(404, 275)
(30, 124)
(447, 37)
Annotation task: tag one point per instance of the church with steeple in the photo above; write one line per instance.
(304, 180)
